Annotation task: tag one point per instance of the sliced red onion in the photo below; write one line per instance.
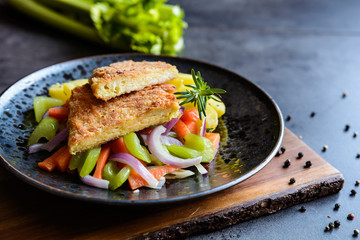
(166, 140)
(180, 173)
(203, 127)
(169, 125)
(95, 182)
(52, 144)
(46, 114)
(157, 150)
(144, 138)
(161, 183)
(137, 166)
(201, 169)
(35, 147)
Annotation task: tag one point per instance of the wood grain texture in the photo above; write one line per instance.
(26, 211)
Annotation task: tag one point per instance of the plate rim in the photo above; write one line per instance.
(122, 202)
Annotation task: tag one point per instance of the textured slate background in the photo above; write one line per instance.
(305, 53)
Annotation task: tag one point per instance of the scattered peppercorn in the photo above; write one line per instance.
(357, 183)
(282, 149)
(300, 155)
(287, 163)
(312, 114)
(350, 216)
(302, 209)
(337, 206)
(325, 147)
(355, 134)
(277, 154)
(344, 94)
(358, 155)
(327, 228)
(331, 225)
(308, 164)
(356, 232)
(288, 118)
(292, 180)
(329, 216)
(337, 223)
(347, 127)
(353, 192)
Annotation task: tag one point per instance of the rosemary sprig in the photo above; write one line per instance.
(199, 94)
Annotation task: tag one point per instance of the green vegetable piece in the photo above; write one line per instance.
(120, 178)
(201, 144)
(91, 158)
(156, 161)
(47, 128)
(77, 161)
(115, 176)
(183, 152)
(132, 143)
(149, 26)
(42, 104)
(110, 170)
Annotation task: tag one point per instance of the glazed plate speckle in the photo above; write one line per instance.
(253, 123)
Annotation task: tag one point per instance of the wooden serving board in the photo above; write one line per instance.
(26, 212)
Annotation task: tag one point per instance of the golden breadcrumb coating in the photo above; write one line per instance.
(127, 76)
(93, 122)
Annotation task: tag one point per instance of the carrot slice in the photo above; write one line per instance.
(190, 115)
(59, 113)
(136, 181)
(146, 131)
(103, 157)
(181, 129)
(49, 164)
(214, 139)
(62, 161)
(119, 146)
(192, 127)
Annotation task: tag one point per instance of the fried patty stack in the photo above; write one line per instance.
(98, 114)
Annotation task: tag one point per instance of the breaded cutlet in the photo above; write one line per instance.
(127, 76)
(93, 122)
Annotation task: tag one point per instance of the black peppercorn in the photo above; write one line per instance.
(300, 155)
(277, 154)
(325, 147)
(347, 127)
(357, 183)
(337, 223)
(355, 134)
(350, 216)
(358, 155)
(337, 206)
(353, 192)
(287, 163)
(331, 225)
(327, 228)
(308, 164)
(302, 209)
(282, 149)
(312, 114)
(292, 181)
(356, 232)
(288, 118)
(344, 94)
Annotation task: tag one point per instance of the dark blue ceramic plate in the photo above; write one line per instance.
(253, 122)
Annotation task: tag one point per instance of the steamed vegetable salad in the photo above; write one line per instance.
(142, 158)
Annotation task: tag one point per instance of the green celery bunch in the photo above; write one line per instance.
(148, 26)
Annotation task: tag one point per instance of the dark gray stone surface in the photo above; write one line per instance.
(305, 53)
